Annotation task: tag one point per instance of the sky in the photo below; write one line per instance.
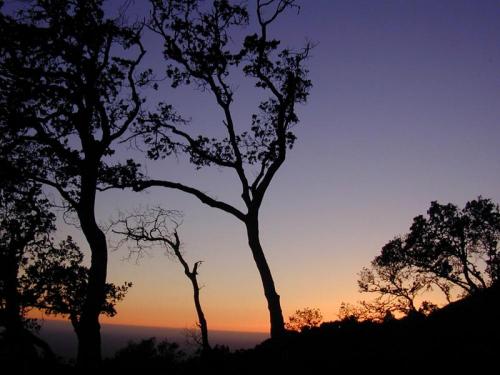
(404, 110)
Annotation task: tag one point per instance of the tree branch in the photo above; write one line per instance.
(142, 185)
(135, 96)
(195, 147)
(59, 188)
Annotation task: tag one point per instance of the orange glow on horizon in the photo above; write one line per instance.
(125, 320)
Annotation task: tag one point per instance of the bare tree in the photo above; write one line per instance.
(158, 225)
(199, 51)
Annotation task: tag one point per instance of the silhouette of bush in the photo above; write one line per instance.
(147, 355)
(304, 319)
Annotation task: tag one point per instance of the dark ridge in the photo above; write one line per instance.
(463, 336)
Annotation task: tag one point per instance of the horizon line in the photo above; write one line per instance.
(151, 326)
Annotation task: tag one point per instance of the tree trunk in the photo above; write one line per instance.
(88, 331)
(192, 276)
(273, 299)
(201, 316)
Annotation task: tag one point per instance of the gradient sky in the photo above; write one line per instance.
(405, 109)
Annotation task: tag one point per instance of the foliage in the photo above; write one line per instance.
(57, 280)
(25, 227)
(25, 217)
(448, 249)
(69, 94)
(200, 51)
(397, 287)
(304, 319)
(148, 355)
(64, 89)
(375, 311)
(44, 275)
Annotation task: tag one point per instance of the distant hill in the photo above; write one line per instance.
(60, 336)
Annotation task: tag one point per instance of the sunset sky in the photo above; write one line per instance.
(404, 109)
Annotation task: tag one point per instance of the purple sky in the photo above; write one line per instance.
(405, 109)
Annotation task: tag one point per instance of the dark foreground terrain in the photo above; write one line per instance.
(464, 335)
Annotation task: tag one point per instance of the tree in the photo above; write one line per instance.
(25, 227)
(155, 226)
(397, 285)
(68, 95)
(36, 273)
(199, 51)
(448, 249)
(57, 282)
(363, 312)
(304, 319)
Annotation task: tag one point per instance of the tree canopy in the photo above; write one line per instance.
(304, 319)
(56, 280)
(448, 249)
(25, 226)
(69, 92)
(199, 52)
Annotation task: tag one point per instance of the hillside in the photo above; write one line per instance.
(464, 334)
(461, 336)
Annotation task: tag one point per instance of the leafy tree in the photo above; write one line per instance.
(397, 285)
(25, 227)
(349, 312)
(199, 51)
(35, 273)
(448, 249)
(304, 319)
(68, 95)
(57, 282)
(158, 225)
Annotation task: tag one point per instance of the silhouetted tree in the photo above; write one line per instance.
(304, 319)
(57, 282)
(199, 51)
(25, 226)
(68, 94)
(378, 310)
(158, 225)
(448, 248)
(349, 312)
(397, 285)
